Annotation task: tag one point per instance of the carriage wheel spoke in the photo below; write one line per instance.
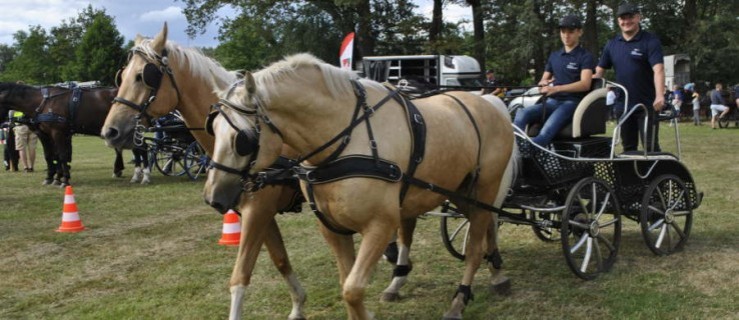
(661, 197)
(656, 210)
(656, 224)
(677, 229)
(581, 202)
(606, 224)
(594, 198)
(579, 224)
(579, 243)
(588, 252)
(680, 213)
(607, 243)
(661, 237)
(598, 255)
(603, 207)
(676, 201)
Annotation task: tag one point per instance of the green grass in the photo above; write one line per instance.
(150, 252)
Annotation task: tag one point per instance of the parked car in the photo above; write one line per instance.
(526, 99)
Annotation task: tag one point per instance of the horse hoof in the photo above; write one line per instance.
(46, 182)
(56, 183)
(118, 174)
(296, 318)
(503, 288)
(390, 297)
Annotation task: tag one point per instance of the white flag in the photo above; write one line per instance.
(347, 52)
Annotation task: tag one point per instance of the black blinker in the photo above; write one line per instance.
(151, 76)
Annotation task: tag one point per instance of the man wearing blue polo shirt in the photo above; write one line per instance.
(567, 76)
(636, 56)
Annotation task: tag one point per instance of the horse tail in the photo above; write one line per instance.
(512, 169)
(509, 176)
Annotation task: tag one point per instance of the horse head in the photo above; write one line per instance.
(246, 142)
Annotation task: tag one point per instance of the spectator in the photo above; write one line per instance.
(718, 104)
(636, 56)
(567, 76)
(492, 85)
(11, 157)
(25, 141)
(610, 102)
(696, 109)
(677, 102)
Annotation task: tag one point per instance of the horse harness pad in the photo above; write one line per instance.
(73, 106)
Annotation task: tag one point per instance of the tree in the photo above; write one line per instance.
(32, 64)
(100, 52)
(7, 54)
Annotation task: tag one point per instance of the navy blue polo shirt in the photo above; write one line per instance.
(633, 61)
(566, 68)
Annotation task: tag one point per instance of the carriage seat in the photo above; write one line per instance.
(590, 116)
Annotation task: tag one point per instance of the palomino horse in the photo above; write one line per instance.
(187, 81)
(371, 163)
(57, 113)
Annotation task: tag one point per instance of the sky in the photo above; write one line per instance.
(133, 17)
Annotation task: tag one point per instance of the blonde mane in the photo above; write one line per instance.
(335, 79)
(201, 66)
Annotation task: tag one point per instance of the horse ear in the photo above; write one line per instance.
(249, 84)
(160, 39)
(138, 39)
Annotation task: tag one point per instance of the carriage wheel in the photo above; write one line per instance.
(455, 231)
(591, 228)
(196, 161)
(666, 215)
(546, 234)
(723, 122)
(169, 161)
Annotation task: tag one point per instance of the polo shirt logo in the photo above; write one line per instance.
(573, 66)
(636, 52)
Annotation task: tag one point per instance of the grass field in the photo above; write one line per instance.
(150, 252)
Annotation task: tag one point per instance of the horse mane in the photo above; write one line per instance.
(22, 91)
(201, 66)
(335, 79)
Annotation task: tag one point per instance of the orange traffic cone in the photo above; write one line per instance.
(70, 216)
(231, 229)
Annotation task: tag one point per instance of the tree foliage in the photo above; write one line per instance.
(514, 37)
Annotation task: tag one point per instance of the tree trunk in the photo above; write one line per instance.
(479, 31)
(436, 22)
(365, 41)
(590, 36)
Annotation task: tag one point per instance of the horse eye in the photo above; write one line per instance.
(138, 77)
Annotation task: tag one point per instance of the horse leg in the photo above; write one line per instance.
(403, 264)
(278, 254)
(146, 178)
(259, 226)
(499, 283)
(343, 248)
(118, 164)
(48, 147)
(479, 222)
(374, 240)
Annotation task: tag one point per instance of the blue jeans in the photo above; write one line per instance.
(558, 114)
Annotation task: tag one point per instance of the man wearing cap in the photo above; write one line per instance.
(567, 76)
(492, 85)
(636, 56)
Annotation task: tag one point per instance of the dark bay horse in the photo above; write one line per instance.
(55, 113)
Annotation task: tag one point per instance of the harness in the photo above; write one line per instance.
(151, 77)
(72, 107)
(335, 168)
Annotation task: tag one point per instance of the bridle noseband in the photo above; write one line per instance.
(151, 77)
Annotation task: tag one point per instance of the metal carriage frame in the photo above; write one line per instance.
(581, 202)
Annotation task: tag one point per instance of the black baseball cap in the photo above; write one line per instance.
(490, 71)
(627, 8)
(570, 21)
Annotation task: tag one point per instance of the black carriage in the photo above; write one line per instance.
(174, 151)
(578, 191)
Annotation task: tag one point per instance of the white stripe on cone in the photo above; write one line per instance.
(231, 228)
(70, 216)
